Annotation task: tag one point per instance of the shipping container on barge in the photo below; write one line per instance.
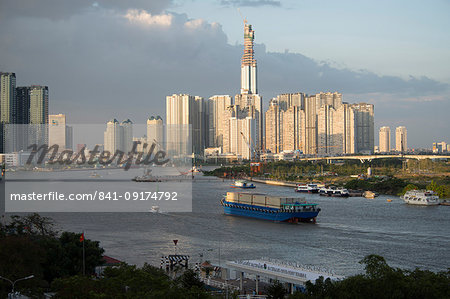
(262, 206)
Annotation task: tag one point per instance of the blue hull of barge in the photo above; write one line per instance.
(266, 213)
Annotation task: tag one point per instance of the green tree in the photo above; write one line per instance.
(276, 290)
(408, 188)
(71, 259)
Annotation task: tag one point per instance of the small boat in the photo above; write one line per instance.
(155, 209)
(147, 177)
(307, 188)
(370, 194)
(389, 200)
(445, 202)
(421, 197)
(243, 185)
(94, 175)
(326, 191)
(340, 192)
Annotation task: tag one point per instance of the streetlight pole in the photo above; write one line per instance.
(13, 283)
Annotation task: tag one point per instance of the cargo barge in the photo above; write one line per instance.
(273, 208)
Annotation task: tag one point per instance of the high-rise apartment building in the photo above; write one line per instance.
(38, 133)
(112, 138)
(292, 128)
(126, 131)
(273, 128)
(58, 132)
(345, 127)
(186, 124)
(155, 132)
(328, 142)
(239, 133)
(38, 104)
(401, 144)
(7, 97)
(217, 105)
(364, 126)
(385, 140)
(22, 114)
(287, 100)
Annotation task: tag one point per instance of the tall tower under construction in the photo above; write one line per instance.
(248, 63)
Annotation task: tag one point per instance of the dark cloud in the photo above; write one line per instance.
(250, 3)
(103, 64)
(60, 9)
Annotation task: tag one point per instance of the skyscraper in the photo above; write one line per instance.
(292, 129)
(239, 132)
(217, 106)
(364, 123)
(385, 140)
(155, 132)
(126, 131)
(57, 130)
(38, 114)
(401, 144)
(273, 128)
(112, 138)
(287, 100)
(186, 113)
(22, 105)
(248, 63)
(38, 104)
(7, 97)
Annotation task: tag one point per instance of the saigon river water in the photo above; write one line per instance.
(347, 229)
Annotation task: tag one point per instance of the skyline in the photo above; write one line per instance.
(203, 62)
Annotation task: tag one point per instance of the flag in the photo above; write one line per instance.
(82, 237)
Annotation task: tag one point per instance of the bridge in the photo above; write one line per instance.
(364, 158)
(292, 274)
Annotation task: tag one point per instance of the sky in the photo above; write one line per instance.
(109, 59)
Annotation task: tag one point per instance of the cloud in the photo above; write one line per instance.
(61, 9)
(143, 17)
(101, 64)
(250, 3)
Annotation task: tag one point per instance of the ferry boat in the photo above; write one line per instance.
(307, 188)
(272, 208)
(421, 197)
(243, 185)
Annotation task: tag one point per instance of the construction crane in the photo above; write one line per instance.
(243, 19)
(250, 145)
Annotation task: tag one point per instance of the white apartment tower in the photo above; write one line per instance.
(273, 128)
(385, 140)
(155, 132)
(112, 136)
(217, 106)
(58, 131)
(186, 124)
(401, 144)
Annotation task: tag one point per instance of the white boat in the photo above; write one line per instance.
(155, 209)
(421, 197)
(243, 185)
(334, 192)
(340, 192)
(307, 188)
